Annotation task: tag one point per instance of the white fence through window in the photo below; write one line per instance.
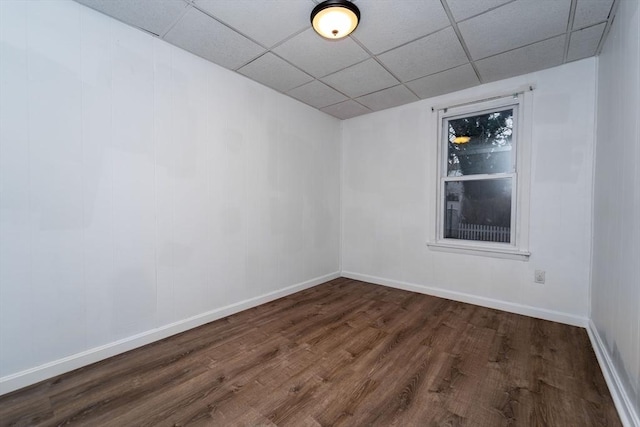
(485, 233)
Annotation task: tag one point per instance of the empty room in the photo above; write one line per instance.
(320, 213)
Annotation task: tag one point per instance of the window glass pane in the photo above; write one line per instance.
(478, 210)
(480, 144)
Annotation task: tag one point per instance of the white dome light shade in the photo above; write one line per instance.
(335, 19)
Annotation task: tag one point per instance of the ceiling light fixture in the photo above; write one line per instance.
(335, 19)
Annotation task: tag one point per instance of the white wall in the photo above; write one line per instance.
(389, 182)
(615, 301)
(144, 190)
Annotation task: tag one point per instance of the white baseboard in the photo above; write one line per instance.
(31, 376)
(628, 413)
(540, 313)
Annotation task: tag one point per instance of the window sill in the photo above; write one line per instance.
(492, 252)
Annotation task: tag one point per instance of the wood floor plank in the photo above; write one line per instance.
(344, 353)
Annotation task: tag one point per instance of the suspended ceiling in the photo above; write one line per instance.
(402, 51)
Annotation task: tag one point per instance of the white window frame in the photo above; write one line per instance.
(518, 247)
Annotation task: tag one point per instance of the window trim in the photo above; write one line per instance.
(518, 248)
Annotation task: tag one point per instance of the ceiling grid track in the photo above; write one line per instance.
(400, 52)
(610, 19)
(567, 39)
(454, 25)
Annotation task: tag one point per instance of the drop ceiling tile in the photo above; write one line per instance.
(275, 72)
(317, 94)
(535, 57)
(274, 45)
(385, 25)
(318, 56)
(584, 43)
(463, 9)
(346, 110)
(266, 22)
(388, 98)
(360, 79)
(514, 25)
(206, 37)
(425, 56)
(156, 19)
(445, 82)
(589, 12)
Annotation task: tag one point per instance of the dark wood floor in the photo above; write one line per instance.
(342, 353)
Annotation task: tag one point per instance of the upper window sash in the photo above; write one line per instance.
(448, 114)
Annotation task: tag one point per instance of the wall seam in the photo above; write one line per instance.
(593, 187)
(341, 197)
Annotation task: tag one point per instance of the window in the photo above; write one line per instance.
(483, 178)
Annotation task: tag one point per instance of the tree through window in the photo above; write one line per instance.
(483, 177)
(477, 183)
(480, 206)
